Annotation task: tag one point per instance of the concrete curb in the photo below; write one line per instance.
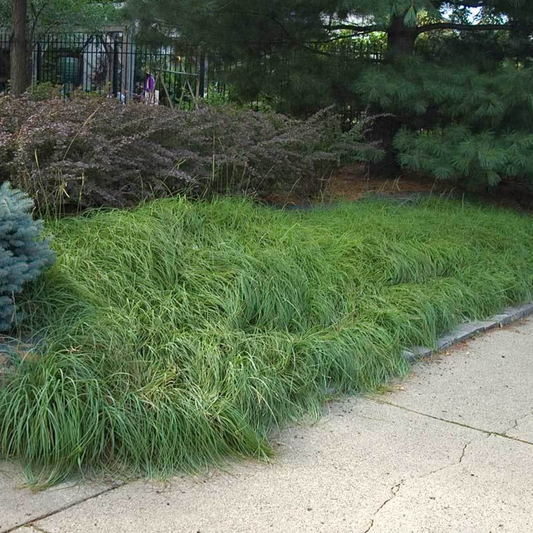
(469, 330)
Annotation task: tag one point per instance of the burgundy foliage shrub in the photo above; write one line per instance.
(91, 152)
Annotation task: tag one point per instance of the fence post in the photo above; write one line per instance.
(38, 62)
(115, 69)
(203, 61)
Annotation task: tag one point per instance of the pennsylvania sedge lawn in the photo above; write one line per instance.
(180, 334)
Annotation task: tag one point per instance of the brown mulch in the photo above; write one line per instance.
(352, 183)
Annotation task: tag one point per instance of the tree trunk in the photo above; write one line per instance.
(400, 43)
(400, 39)
(19, 47)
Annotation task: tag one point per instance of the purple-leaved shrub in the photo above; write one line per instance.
(92, 152)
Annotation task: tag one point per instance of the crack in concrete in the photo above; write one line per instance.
(33, 521)
(455, 423)
(516, 424)
(461, 458)
(396, 488)
(463, 454)
(394, 491)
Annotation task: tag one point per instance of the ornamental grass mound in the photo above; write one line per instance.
(178, 334)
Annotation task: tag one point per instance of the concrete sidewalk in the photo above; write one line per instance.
(450, 450)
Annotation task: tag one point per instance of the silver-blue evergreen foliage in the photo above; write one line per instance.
(24, 254)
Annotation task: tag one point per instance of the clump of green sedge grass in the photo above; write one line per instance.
(179, 334)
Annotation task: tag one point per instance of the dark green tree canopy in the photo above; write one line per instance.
(291, 47)
(453, 81)
(56, 15)
(263, 24)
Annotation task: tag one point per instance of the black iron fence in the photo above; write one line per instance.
(114, 64)
(119, 65)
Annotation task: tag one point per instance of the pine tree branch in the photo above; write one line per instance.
(473, 3)
(354, 29)
(282, 27)
(463, 27)
(36, 16)
(296, 41)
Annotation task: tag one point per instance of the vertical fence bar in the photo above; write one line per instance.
(115, 69)
(39, 61)
(202, 74)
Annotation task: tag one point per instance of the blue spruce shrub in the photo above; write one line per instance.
(23, 252)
